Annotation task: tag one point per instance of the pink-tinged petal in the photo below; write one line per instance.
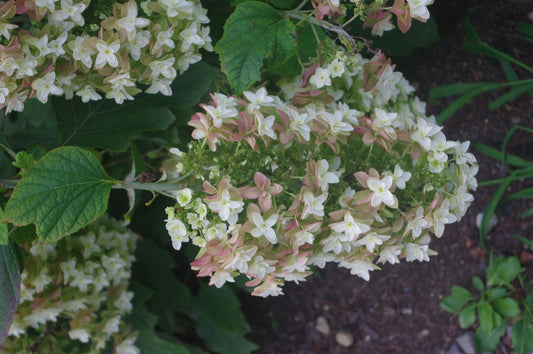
(266, 203)
(434, 202)
(249, 192)
(209, 188)
(362, 178)
(253, 282)
(202, 261)
(261, 180)
(275, 189)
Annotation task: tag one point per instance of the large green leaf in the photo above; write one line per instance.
(4, 235)
(487, 341)
(506, 307)
(253, 33)
(503, 270)
(522, 334)
(220, 321)
(144, 322)
(307, 47)
(420, 35)
(64, 191)
(9, 288)
(107, 125)
(170, 295)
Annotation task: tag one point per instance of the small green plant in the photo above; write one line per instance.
(496, 303)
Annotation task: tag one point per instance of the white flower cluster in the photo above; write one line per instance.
(62, 54)
(75, 294)
(346, 167)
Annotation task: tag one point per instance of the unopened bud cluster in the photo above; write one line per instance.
(60, 53)
(74, 294)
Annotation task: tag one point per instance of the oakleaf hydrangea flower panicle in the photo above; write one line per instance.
(96, 48)
(74, 293)
(342, 166)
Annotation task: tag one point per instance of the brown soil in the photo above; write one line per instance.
(397, 311)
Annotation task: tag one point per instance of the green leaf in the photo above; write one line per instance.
(507, 269)
(457, 104)
(487, 341)
(461, 293)
(525, 193)
(169, 293)
(220, 321)
(490, 208)
(284, 4)
(420, 35)
(307, 49)
(4, 234)
(37, 113)
(9, 288)
(143, 321)
(506, 307)
(496, 293)
(523, 239)
(467, 316)
(485, 315)
(454, 90)
(253, 33)
(478, 283)
(509, 96)
(107, 125)
(498, 155)
(458, 298)
(522, 335)
(510, 73)
(526, 28)
(63, 192)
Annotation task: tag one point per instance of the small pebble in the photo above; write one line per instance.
(466, 342)
(407, 311)
(322, 325)
(530, 16)
(344, 338)
(493, 221)
(424, 333)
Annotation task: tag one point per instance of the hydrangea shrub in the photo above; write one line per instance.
(74, 294)
(92, 48)
(343, 165)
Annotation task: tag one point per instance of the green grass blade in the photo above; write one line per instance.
(457, 104)
(455, 89)
(523, 239)
(510, 96)
(526, 28)
(526, 193)
(510, 73)
(491, 208)
(498, 155)
(527, 213)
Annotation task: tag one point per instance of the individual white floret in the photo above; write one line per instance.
(81, 334)
(45, 86)
(320, 78)
(381, 192)
(418, 9)
(264, 227)
(220, 278)
(313, 205)
(361, 268)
